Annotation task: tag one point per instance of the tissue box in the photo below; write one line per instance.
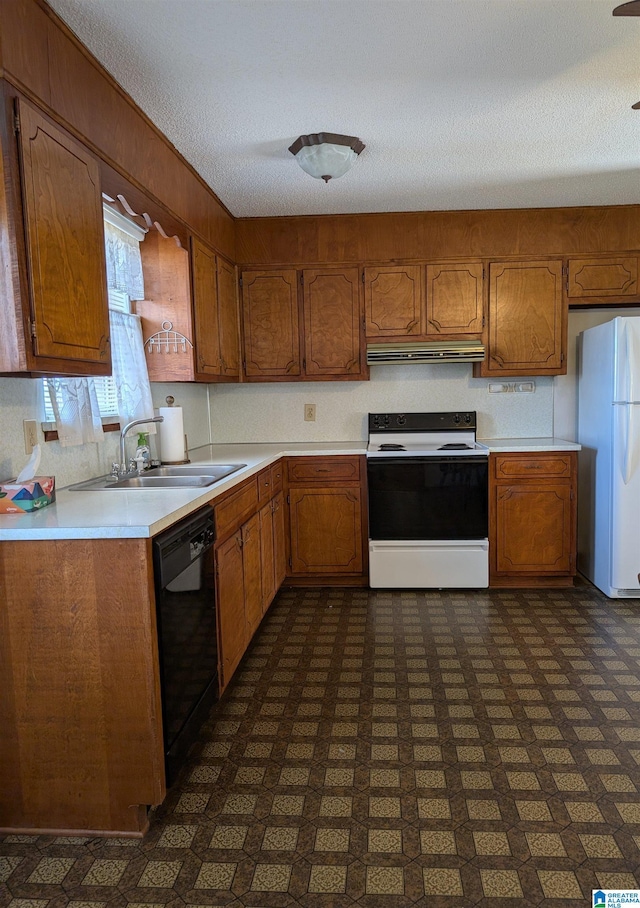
(24, 497)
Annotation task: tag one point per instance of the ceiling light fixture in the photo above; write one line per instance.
(326, 155)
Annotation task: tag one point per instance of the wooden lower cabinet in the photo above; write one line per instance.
(326, 524)
(81, 745)
(232, 623)
(273, 548)
(250, 562)
(279, 540)
(532, 519)
(252, 566)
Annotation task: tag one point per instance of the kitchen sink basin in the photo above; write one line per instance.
(177, 477)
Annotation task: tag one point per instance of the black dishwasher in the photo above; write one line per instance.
(186, 615)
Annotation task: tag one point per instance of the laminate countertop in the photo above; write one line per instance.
(135, 513)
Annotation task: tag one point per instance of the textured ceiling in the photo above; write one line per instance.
(461, 103)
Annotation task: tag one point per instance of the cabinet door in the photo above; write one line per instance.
(527, 319)
(326, 530)
(454, 298)
(393, 301)
(267, 555)
(279, 541)
(205, 309)
(534, 528)
(251, 556)
(228, 320)
(610, 277)
(332, 322)
(232, 629)
(271, 324)
(65, 245)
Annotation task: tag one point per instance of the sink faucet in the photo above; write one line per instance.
(122, 470)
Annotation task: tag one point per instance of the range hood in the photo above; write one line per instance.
(462, 351)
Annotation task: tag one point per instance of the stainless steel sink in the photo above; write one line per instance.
(189, 476)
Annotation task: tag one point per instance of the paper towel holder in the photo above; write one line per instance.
(170, 400)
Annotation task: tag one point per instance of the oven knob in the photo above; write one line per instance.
(456, 418)
(467, 418)
(386, 420)
(401, 420)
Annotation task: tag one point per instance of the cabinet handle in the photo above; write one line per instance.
(323, 470)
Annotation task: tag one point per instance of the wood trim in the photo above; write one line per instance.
(436, 235)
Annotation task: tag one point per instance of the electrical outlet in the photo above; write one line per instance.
(30, 428)
(309, 412)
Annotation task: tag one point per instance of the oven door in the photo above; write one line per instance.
(428, 498)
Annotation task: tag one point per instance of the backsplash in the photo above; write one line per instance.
(275, 411)
(19, 400)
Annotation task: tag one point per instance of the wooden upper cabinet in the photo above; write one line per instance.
(527, 319)
(64, 314)
(205, 308)
(271, 324)
(454, 298)
(606, 278)
(215, 315)
(393, 301)
(228, 320)
(333, 322)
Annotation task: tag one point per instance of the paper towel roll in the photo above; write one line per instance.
(171, 435)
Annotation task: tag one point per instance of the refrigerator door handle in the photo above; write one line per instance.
(631, 443)
(627, 391)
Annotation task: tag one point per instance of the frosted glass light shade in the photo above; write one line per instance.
(326, 156)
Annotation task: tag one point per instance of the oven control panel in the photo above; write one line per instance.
(422, 422)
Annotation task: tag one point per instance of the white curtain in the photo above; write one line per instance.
(130, 370)
(124, 265)
(75, 406)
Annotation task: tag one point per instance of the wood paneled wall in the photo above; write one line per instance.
(437, 234)
(42, 58)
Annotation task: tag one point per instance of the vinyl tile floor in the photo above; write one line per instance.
(386, 749)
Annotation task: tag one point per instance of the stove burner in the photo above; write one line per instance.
(454, 446)
(390, 447)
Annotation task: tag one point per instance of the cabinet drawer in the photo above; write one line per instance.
(276, 477)
(323, 469)
(533, 466)
(235, 508)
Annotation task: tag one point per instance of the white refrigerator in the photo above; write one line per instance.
(609, 465)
